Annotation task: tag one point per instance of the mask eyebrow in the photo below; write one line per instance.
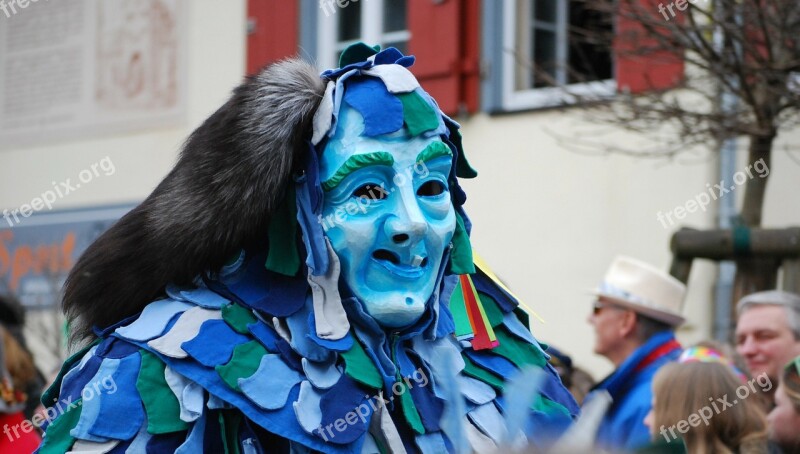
(433, 151)
(356, 162)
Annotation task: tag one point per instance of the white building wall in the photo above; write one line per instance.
(216, 64)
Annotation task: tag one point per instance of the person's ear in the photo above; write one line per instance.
(628, 323)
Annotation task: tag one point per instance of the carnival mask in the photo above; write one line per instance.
(388, 215)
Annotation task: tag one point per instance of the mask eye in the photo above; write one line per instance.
(430, 189)
(370, 192)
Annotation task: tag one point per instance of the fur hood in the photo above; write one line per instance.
(218, 199)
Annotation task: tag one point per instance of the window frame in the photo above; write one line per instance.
(372, 31)
(511, 99)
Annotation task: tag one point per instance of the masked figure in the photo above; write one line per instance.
(303, 281)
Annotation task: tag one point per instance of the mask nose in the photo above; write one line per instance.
(407, 225)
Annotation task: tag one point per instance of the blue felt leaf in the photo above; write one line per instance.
(382, 112)
(270, 385)
(313, 237)
(153, 320)
(307, 409)
(339, 345)
(214, 344)
(343, 398)
(204, 297)
(264, 334)
(322, 375)
(194, 442)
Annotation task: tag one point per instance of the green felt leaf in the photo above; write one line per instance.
(162, 407)
(283, 257)
(461, 254)
(524, 318)
(237, 317)
(229, 421)
(357, 52)
(516, 350)
(58, 440)
(360, 367)
(243, 364)
(492, 309)
(547, 406)
(411, 413)
(458, 308)
(463, 167)
(418, 115)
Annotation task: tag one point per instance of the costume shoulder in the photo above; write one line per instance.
(237, 360)
(186, 370)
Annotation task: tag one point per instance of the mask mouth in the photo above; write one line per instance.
(388, 257)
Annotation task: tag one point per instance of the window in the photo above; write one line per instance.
(548, 45)
(344, 22)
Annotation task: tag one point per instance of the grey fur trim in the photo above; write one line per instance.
(231, 175)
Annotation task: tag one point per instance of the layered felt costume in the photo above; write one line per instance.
(271, 351)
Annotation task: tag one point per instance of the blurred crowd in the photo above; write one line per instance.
(706, 398)
(662, 397)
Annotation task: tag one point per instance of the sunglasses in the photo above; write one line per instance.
(598, 306)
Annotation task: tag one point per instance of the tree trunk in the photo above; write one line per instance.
(754, 189)
(755, 274)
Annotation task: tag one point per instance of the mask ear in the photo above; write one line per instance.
(219, 198)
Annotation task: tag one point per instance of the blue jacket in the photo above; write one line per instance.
(623, 426)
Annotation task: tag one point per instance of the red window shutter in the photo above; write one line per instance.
(444, 38)
(639, 68)
(273, 31)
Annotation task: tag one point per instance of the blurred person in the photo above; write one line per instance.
(727, 351)
(635, 315)
(784, 419)
(12, 318)
(768, 333)
(578, 381)
(693, 410)
(16, 373)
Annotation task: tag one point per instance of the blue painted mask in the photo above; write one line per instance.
(388, 214)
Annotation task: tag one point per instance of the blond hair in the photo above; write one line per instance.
(18, 361)
(682, 389)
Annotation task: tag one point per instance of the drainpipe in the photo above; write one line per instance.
(723, 291)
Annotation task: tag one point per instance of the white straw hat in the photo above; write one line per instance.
(644, 289)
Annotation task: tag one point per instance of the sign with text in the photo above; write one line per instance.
(35, 257)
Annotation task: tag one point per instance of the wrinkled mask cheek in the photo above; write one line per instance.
(441, 235)
(351, 241)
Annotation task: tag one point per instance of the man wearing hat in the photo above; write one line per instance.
(768, 333)
(634, 317)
